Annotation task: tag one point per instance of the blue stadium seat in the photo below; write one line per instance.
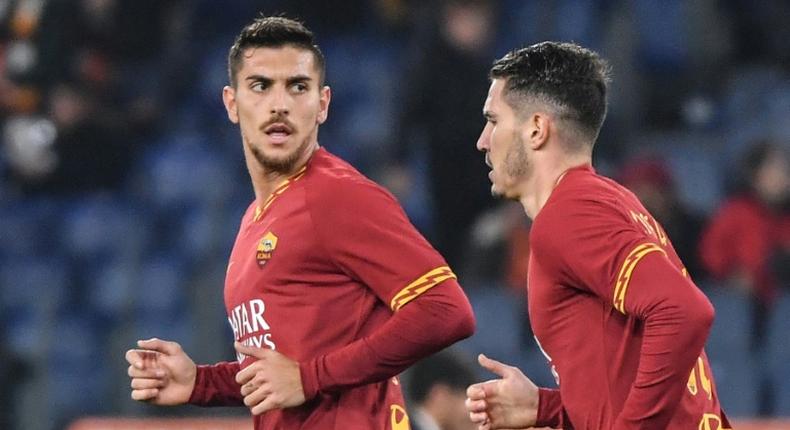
(562, 20)
(733, 360)
(184, 170)
(27, 228)
(778, 354)
(361, 120)
(161, 286)
(661, 33)
(196, 235)
(111, 288)
(176, 327)
(501, 315)
(103, 227)
(694, 161)
(78, 376)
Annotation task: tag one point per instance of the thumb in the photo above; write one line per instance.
(250, 351)
(494, 366)
(163, 346)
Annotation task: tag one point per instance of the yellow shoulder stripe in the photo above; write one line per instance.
(624, 277)
(421, 285)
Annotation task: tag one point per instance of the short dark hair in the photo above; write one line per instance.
(274, 32)
(446, 367)
(565, 75)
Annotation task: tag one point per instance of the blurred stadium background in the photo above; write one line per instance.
(123, 182)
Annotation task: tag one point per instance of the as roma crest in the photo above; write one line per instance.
(266, 247)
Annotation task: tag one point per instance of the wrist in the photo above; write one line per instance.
(308, 374)
(548, 408)
(198, 384)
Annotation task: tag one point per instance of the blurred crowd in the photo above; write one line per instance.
(122, 182)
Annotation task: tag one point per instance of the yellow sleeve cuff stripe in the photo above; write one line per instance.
(421, 285)
(624, 277)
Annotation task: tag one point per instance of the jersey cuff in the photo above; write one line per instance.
(421, 285)
(549, 408)
(309, 374)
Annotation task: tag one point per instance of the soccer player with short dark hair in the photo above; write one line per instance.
(330, 291)
(610, 302)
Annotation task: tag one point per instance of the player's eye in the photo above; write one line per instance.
(299, 87)
(258, 86)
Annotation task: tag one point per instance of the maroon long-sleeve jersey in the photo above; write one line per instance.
(329, 272)
(616, 314)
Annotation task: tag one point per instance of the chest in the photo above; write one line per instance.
(275, 256)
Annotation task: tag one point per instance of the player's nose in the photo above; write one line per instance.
(483, 141)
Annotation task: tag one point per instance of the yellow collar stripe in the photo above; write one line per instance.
(279, 190)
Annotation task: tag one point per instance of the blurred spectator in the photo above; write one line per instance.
(747, 242)
(441, 113)
(12, 373)
(436, 390)
(761, 30)
(72, 151)
(498, 245)
(650, 179)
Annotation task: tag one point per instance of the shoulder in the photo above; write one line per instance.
(333, 183)
(581, 200)
(585, 208)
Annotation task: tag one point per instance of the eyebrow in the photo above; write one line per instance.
(488, 114)
(289, 81)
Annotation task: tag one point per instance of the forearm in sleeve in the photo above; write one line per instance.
(677, 319)
(429, 323)
(215, 385)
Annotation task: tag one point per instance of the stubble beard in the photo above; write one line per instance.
(516, 167)
(284, 165)
(278, 165)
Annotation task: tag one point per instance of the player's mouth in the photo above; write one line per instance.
(278, 132)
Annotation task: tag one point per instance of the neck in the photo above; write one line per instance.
(543, 182)
(264, 181)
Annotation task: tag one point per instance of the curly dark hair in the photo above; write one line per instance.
(274, 32)
(571, 79)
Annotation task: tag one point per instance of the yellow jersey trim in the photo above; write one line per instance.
(421, 285)
(259, 211)
(624, 277)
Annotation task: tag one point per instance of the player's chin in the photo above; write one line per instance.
(496, 192)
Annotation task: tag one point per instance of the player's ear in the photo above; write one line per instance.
(536, 129)
(323, 103)
(229, 99)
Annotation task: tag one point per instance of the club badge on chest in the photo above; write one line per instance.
(265, 249)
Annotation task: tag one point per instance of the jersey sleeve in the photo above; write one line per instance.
(551, 412)
(367, 234)
(595, 248)
(369, 237)
(215, 385)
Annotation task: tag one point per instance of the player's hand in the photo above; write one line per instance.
(507, 403)
(161, 372)
(271, 382)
